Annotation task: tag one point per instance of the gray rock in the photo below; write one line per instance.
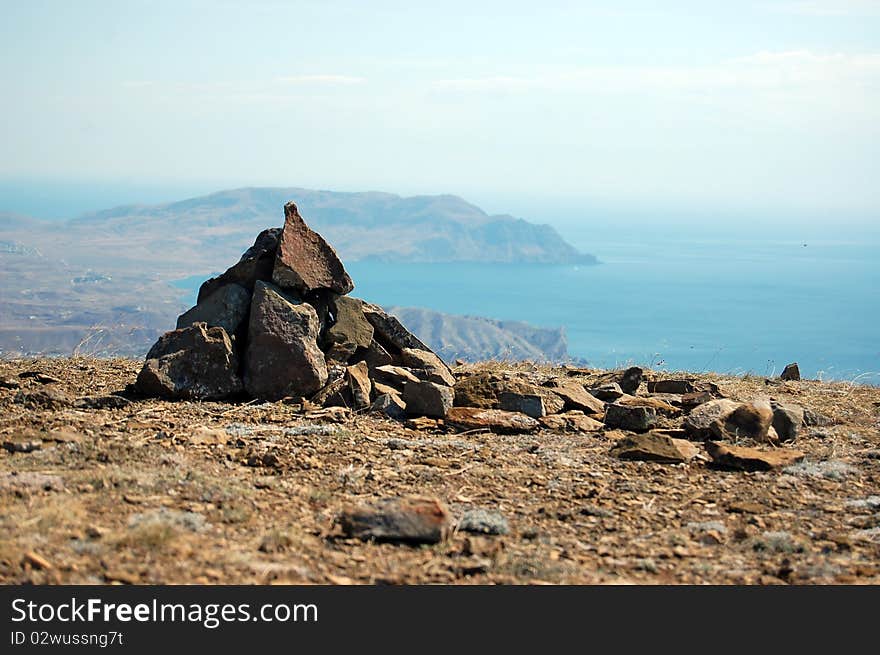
(787, 420)
(427, 399)
(435, 369)
(636, 418)
(576, 397)
(393, 376)
(374, 355)
(304, 261)
(698, 424)
(255, 264)
(483, 521)
(350, 331)
(389, 331)
(525, 403)
(391, 405)
(195, 363)
(227, 307)
(607, 392)
(283, 358)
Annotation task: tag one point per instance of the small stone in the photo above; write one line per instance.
(391, 405)
(422, 423)
(607, 392)
(483, 521)
(393, 376)
(573, 421)
(101, 402)
(698, 423)
(815, 419)
(654, 447)
(305, 262)
(405, 520)
(791, 372)
(359, 385)
(493, 420)
(576, 396)
(691, 400)
(436, 370)
(787, 420)
(227, 307)
(671, 386)
(751, 459)
(660, 406)
(37, 561)
(39, 376)
(427, 399)
(44, 399)
(30, 481)
(625, 417)
(22, 445)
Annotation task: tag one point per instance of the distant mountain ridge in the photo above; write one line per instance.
(361, 225)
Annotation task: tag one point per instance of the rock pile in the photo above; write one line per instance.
(279, 324)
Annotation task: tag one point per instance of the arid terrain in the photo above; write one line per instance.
(101, 488)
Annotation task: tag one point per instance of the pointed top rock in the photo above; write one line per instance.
(305, 262)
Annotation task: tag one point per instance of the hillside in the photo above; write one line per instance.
(102, 282)
(97, 488)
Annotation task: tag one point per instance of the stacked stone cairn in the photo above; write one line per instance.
(279, 325)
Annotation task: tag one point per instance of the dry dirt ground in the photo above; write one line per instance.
(182, 492)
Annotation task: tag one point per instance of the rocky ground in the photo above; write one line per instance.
(97, 487)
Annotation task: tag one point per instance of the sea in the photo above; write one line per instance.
(735, 306)
(712, 295)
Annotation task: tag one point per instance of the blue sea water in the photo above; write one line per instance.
(698, 305)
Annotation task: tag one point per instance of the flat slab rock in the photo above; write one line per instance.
(305, 261)
(751, 459)
(654, 447)
(494, 420)
(405, 520)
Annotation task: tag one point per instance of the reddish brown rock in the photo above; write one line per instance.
(660, 406)
(654, 447)
(748, 421)
(494, 420)
(359, 385)
(751, 459)
(283, 358)
(435, 369)
(406, 520)
(680, 387)
(196, 363)
(427, 399)
(305, 262)
(576, 396)
(571, 421)
(393, 376)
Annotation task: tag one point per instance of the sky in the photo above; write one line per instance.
(765, 108)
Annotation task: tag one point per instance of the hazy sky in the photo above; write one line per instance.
(771, 105)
